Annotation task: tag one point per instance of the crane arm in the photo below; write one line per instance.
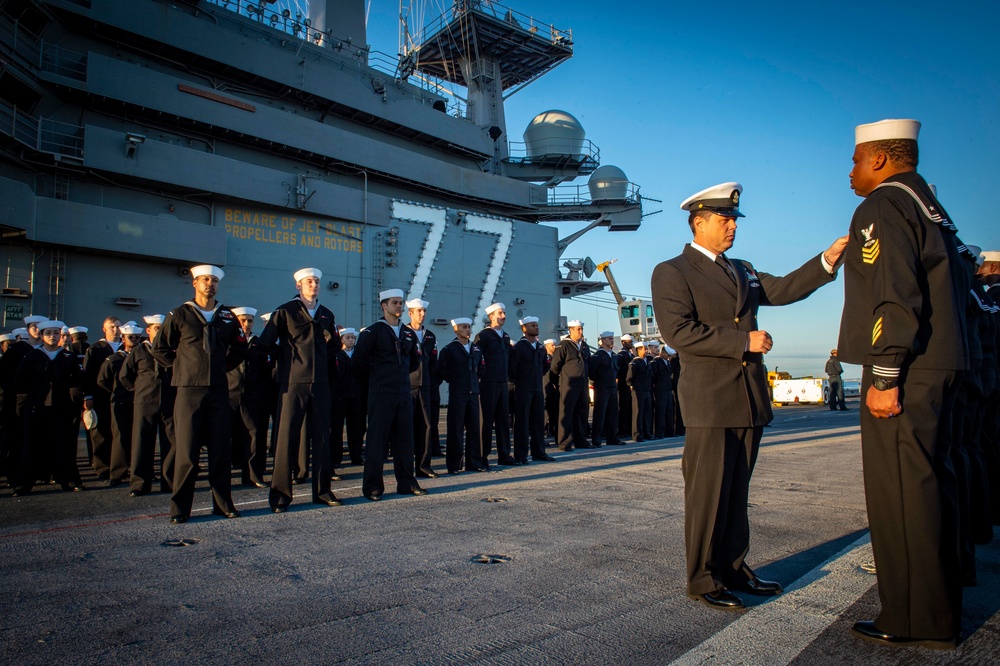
(605, 267)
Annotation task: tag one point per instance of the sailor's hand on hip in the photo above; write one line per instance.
(883, 404)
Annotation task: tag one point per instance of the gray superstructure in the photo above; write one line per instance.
(140, 137)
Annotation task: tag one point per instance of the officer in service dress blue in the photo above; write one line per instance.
(706, 308)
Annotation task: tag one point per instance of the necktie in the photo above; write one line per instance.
(722, 261)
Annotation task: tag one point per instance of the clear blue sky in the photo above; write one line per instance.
(682, 96)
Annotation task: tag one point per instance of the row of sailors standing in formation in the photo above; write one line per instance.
(199, 377)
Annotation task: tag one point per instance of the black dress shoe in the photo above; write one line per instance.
(327, 500)
(507, 461)
(415, 490)
(586, 446)
(177, 520)
(845, 409)
(136, 493)
(719, 599)
(260, 484)
(374, 497)
(762, 588)
(616, 443)
(226, 513)
(279, 509)
(867, 630)
(566, 450)
(545, 458)
(73, 487)
(477, 469)
(336, 477)
(521, 461)
(427, 474)
(454, 471)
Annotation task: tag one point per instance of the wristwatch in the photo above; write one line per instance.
(883, 383)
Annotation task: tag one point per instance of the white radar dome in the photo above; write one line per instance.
(554, 133)
(608, 183)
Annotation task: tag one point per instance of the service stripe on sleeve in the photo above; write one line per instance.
(870, 254)
(877, 331)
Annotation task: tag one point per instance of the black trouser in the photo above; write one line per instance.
(493, 396)
(121, 438)
(201, 419)
(148, 422)
(463, 435)
(624, 410)
(529, 424)
(911, 493)
(256, 414)
(13, 439)
(642, 415)
(605, 415)
(989, 443)
(551, 409)
(717, 466)
(979, 491)
(101, 437)
(422, 444)
(836, 386)
(48, 447)
(664, 414)
(435, 419)
(347, 411)
(390, 422)
(303, 418)
(574, 403)
(962, 463)
(241, 442)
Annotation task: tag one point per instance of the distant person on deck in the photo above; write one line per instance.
(834, 373)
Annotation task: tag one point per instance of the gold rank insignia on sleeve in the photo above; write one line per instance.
(870, 254)
(877, 331)
(870, 248)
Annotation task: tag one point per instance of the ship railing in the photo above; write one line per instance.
(44, 135)
(560, 152)
(363, 57)
(64, 62)
(47, 57)
(21, 41)
(580, 195)
(498, 11)
(60, 138)
(298, 26)
(18, 125)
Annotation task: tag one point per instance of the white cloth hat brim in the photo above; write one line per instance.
(887, 130)
(303, 273)
(207, 269)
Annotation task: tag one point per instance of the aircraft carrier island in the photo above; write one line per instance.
(141, 137)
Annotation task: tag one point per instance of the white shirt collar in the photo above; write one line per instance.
(708, 253)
